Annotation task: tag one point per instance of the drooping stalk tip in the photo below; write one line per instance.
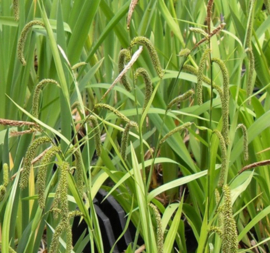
(148, 84)
(224, 157)
(36, 96)
(181, 98)
(245, 140)
(124, 57)
(200, 75)
(224, 99)
(140, 40)
(23, 37)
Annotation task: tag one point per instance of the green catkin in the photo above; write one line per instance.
(159, 229)
(29, 156)
(245, 137)
(180, 98)
(249, 50)
(199, 31)
(55, 239)
(250, 74)
(224, 99)
(95, 126)
(5, 174)
(79, 170)
(250, 24)
(63, 184)
(77, 65)
(200, 75)
(124, 57)
(117, 113)
(140, 40)
(229, 238)
(184, 52)
(16, 9)
(148, 84)
(223, 157)
(124, 141)
(194, 71)
(41, 176)
(23, 37)
(177, 129)
(3, 187)
(36, 96)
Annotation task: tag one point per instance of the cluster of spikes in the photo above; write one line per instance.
(60, 202)
(227, 229)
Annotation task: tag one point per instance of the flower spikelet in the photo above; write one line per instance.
(23, 37)
(200, 75)
(124, 57)
(41, 176)
(177, 129)
(224, 99)
(79, 169)
(140, 40)
(16, 9)
(95, 125)
(117, 113)
(245, 137)
(180, 98)
(229, 238)
(159, 229)
(29, 156)
(250, 73)
(55, 240)
(223, 157)
(148, 84)
(3, 187)
(36, 96)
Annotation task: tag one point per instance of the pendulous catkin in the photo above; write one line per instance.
(124, 57)
(36, 96)
(79, 170)
(224, 99)
(125, 138)
(224, 158)
(29, 156)
(23, 37)
(245, 137)
(229, 235)
(180, 98)
(250, 73)
(159, 229)
(41, 176)
(117, 113)
(200, 75)
(16, 9)
(175, 130)
(148, 84)
(140, 40)
(3, 187)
